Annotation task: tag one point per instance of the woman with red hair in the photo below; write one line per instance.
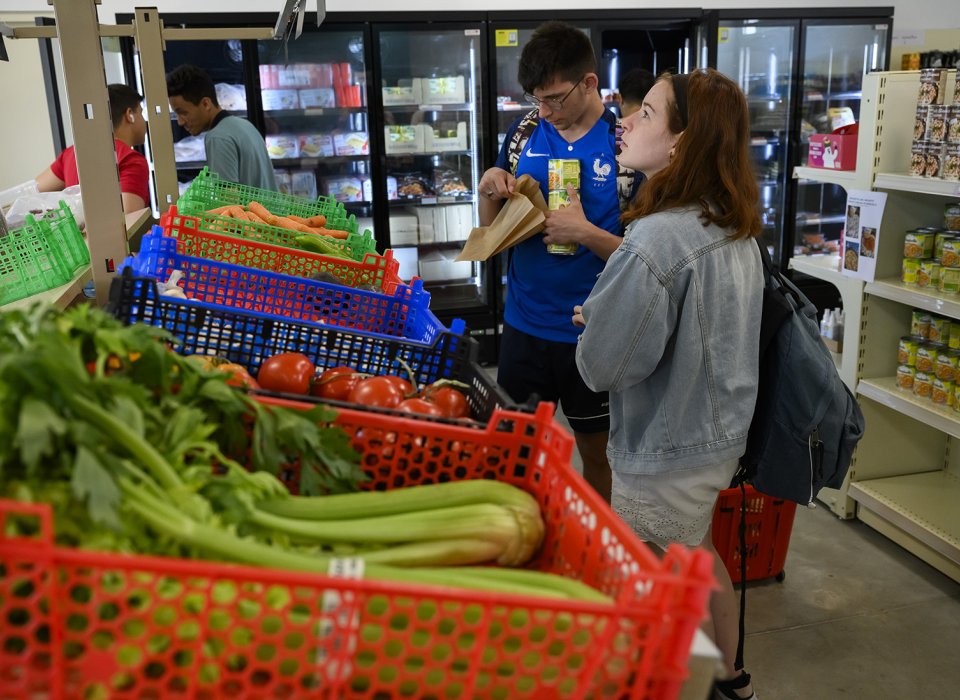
(672, 326)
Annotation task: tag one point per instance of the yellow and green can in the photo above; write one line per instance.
(561, 172)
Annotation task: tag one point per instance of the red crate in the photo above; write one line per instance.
(769, 522)
(79, 624)
(200, 239)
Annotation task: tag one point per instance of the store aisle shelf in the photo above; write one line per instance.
(844, 178)
(884, 390)
(920, 185)
(921, 298)
(924, 506)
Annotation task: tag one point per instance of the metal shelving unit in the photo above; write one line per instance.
(906, 471)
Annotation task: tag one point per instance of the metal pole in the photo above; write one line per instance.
(87, 99)
(149, 38)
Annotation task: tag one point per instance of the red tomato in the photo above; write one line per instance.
(287, 373)
(335, 383)
(405, 387)
(420, 406)
(452, 403)
(239, 376)
(376, 391)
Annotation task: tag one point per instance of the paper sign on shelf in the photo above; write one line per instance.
(861, 238)
(507, 37)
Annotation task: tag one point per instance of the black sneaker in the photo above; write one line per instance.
(726, 690)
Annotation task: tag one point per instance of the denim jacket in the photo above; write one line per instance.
(672, 329)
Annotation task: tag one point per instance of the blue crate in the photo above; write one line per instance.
(249, 338)
(404, 314)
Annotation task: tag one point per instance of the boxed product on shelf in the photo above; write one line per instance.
(280, 99)
(404, 230)
(405, 92)
(446, 90)
(392, 187)
(232, 98)
(344, 188)
(283, 145)
(933, 85)
(459, 221)
(317, 97)
(316, 145)
(433, 228)
(303, 183)
(284, 181)
(441, 265)
(404, 138)
(441, 138)
(837, 151)
(351, 143)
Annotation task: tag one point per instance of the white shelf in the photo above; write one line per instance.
(844, 178)
(919, 297)
(921, 185)
(922, 505)
(884, 391)
(823, 267)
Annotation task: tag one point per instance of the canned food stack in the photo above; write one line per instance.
(935, 151)
(929, 359)
(931, 256)
(561, 172)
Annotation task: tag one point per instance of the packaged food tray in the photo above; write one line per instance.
(249, 338)
(40, 255)
(404, 314)
(195, 230)
(81, 624)
(769, 522)
(208, 191)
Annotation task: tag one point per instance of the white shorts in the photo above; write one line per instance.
(672, 507)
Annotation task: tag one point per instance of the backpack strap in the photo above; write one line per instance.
(521, 135)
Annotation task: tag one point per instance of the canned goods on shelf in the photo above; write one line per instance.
(946, 364)
(929, 273)
(905, 376)
(942, 392)
(926, 357)
(922, 384)
(949, 280)
(920, 324)
(909, 271)
(939, 330)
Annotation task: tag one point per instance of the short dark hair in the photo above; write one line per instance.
(122, 97)
(556, 51)
(192, 84)
(635, 84)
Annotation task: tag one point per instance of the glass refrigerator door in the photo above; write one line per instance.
(433, 159)
(315, 115)
(759, 57)
(835, 59)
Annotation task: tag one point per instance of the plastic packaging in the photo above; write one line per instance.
(39, 204)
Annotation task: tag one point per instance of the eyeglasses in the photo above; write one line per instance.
(555, 104)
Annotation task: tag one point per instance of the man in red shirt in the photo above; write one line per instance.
(129, 129)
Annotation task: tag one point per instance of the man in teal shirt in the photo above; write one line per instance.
(235, 149)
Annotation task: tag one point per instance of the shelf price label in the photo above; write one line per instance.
(507, 38)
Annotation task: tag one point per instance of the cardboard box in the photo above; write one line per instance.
(351, 143)
(406, 138)
(406, 92)
(283, 145)
(280, 99)
(303, 183)
(459, 221)
(404, 230)
(344, 189)
(448, 90)
(432, 228)
(440, 265)
(449, 140)
(318, 97)
(836, 151)
(316, 146)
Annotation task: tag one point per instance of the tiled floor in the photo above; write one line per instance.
(857, 618)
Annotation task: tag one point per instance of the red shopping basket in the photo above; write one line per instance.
(80, 624)
(768, 524)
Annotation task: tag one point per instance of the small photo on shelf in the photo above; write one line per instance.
(868, 242)
(851, 257)
(853, 222)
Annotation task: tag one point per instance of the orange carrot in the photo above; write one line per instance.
(221, 210)
(330, 233)
(318, 221)
(259, 210)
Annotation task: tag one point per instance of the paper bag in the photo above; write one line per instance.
(522, 216)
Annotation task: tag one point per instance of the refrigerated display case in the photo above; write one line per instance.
(759, 55)
(431, 125)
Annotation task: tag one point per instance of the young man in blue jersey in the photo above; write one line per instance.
(538, 346)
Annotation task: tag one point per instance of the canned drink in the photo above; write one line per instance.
(907, 352)
(929, 273)
(942, 392)
(926, 357)
(905, 376)
(946, 365)
(909, 271)
(561, 172)
(939, 332)
(920, 324)
(922, 384)
(949, 280)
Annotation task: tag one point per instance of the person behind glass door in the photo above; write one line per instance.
(129, 130)
(633, 87)
(671, 328)
(557, 70)
(234, 148)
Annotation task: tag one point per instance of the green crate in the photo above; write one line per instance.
(208, 191)
(40, 255)
(356, 245)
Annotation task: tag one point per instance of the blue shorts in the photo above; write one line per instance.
(530, 365)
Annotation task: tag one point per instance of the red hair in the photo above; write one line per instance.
(711, 163)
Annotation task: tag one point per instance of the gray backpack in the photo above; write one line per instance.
(806, 422)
